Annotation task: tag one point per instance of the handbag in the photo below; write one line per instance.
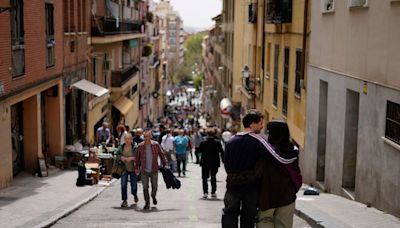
(118, 169)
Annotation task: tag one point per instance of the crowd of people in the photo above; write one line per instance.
(263, 175)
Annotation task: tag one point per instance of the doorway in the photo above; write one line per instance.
(350, 142)
(17, 138)
(322, 122)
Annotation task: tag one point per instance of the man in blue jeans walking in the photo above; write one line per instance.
(181, 143)
(241, 154)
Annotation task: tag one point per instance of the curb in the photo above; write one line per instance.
(312, 222)
(51, 221)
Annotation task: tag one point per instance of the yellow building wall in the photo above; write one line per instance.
(286, 35)
(238, 56)
(132, 118)
(94, 116)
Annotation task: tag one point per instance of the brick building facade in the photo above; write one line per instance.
(30, 84)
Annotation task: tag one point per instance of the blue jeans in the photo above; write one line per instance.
(181, 159)
(241, 203)
(124, 184)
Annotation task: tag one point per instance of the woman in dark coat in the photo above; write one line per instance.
(211, 151)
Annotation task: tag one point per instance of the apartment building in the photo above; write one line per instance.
(31, 87)
(216, 84)
(78, 89)
(156, 97)
(285, 48)
(353, 102)
(175, 40)
(117, 29)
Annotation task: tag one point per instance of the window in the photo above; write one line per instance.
(299, 71)
(358, 3)
(392, 130)
(269, 58)
(72, 16)
(279, 11)
(327, 6)
(276, 75)
(49, 8)
(285, 81)
(252, 13)
(69, 15)
(17, 37)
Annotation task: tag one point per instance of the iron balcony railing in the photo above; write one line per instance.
(120, 77)
(102, 26)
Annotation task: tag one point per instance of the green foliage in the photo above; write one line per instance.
(193, 55)
(183, 74)
(193, 49)
(197, 81)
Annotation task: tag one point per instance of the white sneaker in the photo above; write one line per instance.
(205, 195)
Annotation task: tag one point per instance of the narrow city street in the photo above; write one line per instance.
(176, 208)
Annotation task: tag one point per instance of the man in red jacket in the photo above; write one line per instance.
(147, 155)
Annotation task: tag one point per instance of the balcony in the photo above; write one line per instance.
(279, 11)
(120, 77)
(103, 26)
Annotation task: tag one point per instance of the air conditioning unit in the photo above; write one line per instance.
(327, 6)
(107, 64)
(358, 3)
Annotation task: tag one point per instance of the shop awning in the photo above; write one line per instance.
(90, 87)
(123, 104)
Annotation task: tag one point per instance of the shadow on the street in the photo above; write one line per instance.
(154, 209)
(211, 199)
(131, 207)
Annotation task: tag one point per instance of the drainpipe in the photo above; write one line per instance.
(305, 28)
(263, 49)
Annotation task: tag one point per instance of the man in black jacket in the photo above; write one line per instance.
(279, 176)
(241, 154)
(211, 150)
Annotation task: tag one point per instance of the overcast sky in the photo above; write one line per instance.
(197, 13)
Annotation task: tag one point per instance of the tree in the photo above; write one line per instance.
(198, 80)
(193, 56)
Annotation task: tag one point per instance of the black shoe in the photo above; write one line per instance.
(136, 198)
(154, 201)
(184, 174)
(179, 174)
(147, 206)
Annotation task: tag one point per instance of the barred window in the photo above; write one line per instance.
(392, 130)
(285, 82)
(299, 71)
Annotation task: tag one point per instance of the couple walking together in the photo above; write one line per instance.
(263, 175)
(143, 159)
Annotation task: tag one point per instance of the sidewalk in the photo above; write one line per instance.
(328, 210)
(39, 202)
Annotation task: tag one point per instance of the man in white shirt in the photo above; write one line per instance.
(167, 143)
